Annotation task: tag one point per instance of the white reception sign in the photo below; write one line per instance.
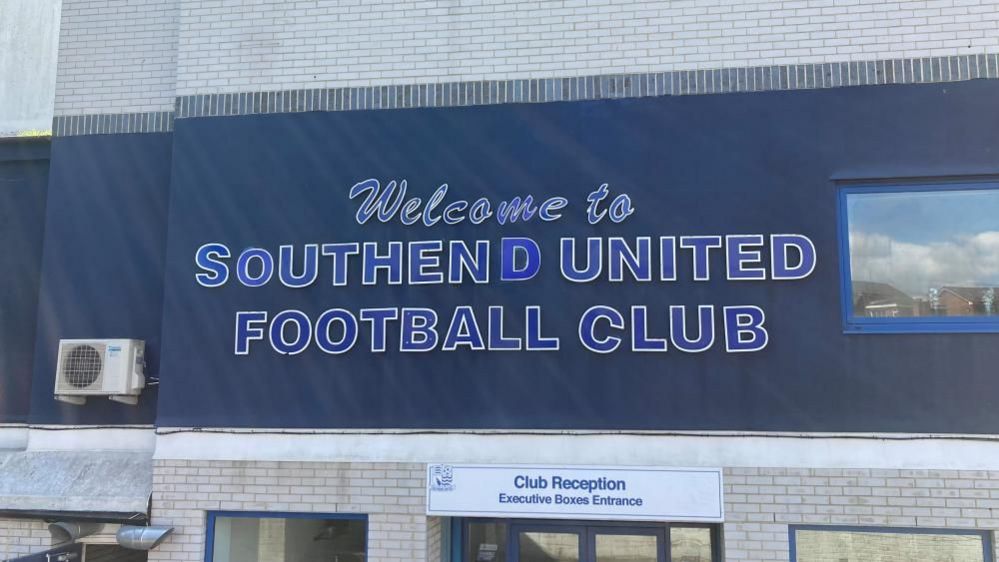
(575, 492)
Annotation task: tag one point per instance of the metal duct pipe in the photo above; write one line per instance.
(142, 538)
(70, 531)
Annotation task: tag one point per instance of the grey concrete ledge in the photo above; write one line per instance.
(76, 482)
(108, 124)
(487, 92)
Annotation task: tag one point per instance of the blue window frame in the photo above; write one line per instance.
(313, 518)
(870, 535)
(920, 257)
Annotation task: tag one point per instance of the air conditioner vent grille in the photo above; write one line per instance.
(82, 366)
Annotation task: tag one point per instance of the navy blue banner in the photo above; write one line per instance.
(664, 263)
(102, 267)
(23, 184)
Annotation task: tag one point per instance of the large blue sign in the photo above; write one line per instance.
(666, 263)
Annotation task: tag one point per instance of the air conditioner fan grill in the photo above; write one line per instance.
(82, 366)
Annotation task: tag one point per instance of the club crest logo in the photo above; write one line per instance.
(441, 478)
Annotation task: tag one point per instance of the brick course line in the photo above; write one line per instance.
(108, 124)
(492, 92)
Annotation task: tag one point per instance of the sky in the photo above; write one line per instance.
(919, 240)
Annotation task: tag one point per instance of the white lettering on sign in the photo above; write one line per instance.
(602, 328)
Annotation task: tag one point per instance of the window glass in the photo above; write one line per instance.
(250, 539)
(548, 547)
(924, 254)
(690, 544)
(856, 546)
(626, 548)
(486, 542)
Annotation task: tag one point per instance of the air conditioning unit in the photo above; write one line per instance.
(112, 368)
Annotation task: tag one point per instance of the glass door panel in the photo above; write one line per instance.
(486, 542)
(626, 548)
(627, 544)
(690, 544)
(548, 546)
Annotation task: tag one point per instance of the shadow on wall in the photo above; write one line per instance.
(24, 178)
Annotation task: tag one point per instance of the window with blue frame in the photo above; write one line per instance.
(286, 537)
(877, 544)
(920, 258)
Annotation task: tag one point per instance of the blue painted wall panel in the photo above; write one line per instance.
(727, 164)
(103, 263)
(24, 171)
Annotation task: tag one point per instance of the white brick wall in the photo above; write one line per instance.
(136, 55)
(116, 56)
(23, 536)
(435, 536)
(760, 503)
(241, 45)
(392, 495)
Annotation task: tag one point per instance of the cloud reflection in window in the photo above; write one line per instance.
(924, 253)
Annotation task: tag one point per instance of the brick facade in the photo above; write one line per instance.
(23, 536)
(116, 56)
(392, 495)
(237, 45)
(133, 56)
(435, 538)
(760, 503)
